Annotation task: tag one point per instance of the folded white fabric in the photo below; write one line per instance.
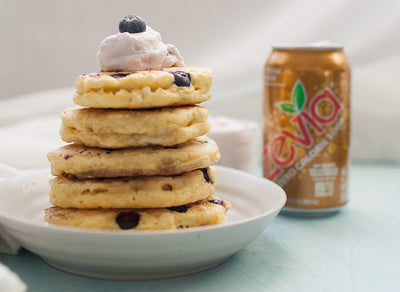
(35, 105)
(25, 145)
(7, 244)
(239, 142)
(7, 172)
(9, 281)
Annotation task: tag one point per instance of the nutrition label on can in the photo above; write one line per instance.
(324, 177)
(323, 171)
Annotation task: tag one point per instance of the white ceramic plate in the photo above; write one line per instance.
(139, 254)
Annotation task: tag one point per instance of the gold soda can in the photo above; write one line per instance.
(307, 126)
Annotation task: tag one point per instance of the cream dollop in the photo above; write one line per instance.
(137, 51)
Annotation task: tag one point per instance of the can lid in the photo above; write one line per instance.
(321, 45)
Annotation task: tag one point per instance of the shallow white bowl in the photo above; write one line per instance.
(139, 254)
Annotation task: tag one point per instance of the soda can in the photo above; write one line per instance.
(307, 126)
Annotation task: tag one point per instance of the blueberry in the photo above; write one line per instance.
(120, 75)
(181, 78)
(205, 175)
(91, 74)
(217, 202)
(127, 220)
(180, 209)
(132, 24)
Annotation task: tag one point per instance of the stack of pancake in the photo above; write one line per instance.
(139, 159)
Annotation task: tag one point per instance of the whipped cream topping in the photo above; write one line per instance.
(137, 51)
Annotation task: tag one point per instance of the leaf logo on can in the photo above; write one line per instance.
(298, 100)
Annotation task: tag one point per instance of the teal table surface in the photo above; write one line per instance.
(354, 250)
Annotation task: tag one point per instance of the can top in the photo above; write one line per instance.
(321, 45)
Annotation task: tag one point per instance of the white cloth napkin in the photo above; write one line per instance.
(239, 142)
(7, 243)
(9, 281)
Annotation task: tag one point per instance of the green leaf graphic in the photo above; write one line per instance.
(287, 107)
(298, 95)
